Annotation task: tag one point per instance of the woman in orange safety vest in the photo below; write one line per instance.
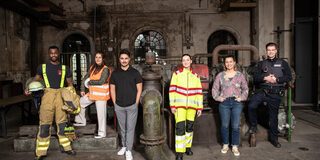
(97, 80)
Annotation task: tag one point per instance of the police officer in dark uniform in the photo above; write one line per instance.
(269, 78)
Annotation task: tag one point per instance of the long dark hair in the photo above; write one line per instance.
(95, 67)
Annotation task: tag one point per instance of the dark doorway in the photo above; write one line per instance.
(76, 55)
(221, 37)
(306, 52)
(149, 41)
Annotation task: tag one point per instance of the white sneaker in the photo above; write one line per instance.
(79, 124)
(122, 151)
(235, 150)
(129, 155)
(225, 148)
(99, 136)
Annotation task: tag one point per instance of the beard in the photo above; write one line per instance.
(53, 59)
(124, 64)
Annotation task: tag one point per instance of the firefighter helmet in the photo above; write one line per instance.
(35, 86)
(86, 82)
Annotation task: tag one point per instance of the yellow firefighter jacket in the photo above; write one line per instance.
(185, 90)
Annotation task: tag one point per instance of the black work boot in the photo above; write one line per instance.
(70, 152)
(276, 144)
(189, 152)
(179, 156)
(39, 157)
(253, 129)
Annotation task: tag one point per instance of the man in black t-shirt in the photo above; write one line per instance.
(126, 88)
(54, 75)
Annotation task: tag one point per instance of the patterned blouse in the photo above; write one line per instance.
(224, 87)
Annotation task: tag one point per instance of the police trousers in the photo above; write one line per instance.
(273, 102)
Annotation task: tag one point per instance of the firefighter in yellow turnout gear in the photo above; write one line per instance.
(186, 100)
(54, 75)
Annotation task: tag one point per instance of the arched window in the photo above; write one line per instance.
(76, 55)
(149, 41)
(218, 38)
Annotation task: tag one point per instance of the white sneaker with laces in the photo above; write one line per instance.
(129, 155)
(79, 124)
(225, 148)
(99, 136)
(122, 151)
(235, 151)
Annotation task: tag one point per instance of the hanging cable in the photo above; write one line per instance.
(94, 25)
(6, 29)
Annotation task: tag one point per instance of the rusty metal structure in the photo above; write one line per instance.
(153, 137)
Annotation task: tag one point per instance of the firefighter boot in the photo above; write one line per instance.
(39, 157)
(189, 152)
(179, 156)
(70, 152)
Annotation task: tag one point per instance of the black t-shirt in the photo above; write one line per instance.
(125, 83)
(54, 73)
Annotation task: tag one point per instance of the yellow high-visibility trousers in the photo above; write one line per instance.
(184, 128)
(51, 104)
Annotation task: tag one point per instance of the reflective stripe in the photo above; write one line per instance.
(101, 86)
(180, 138)
(185, 90)
(66, 144)
(46, 81)
(42, 148)
(185, 101)
(189, 91)
(63, 76)
(99, 94)
(45, 77)
(63, 140)
(43, 143)
(189, 141)
(182, 145)
(189, 134)
(172, 88)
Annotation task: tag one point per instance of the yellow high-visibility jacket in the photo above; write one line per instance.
(186, 90)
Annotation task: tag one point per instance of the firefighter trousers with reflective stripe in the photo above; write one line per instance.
(184, 128)
(51, 104)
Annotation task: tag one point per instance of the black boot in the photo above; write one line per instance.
(253, 129)
(39, 158)
(276, 144)
(179, 156)
(189, 152)
(70, 152)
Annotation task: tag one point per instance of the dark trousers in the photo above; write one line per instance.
(273, 102)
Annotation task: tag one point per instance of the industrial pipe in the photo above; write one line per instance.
(170, 126)
(152, 136)
(215, 53)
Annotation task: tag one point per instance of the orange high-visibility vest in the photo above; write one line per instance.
(99, 92)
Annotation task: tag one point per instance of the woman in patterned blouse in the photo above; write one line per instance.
(230, 88)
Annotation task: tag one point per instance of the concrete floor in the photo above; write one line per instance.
(304, 146)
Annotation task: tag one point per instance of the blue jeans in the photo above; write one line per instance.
(230, 109)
